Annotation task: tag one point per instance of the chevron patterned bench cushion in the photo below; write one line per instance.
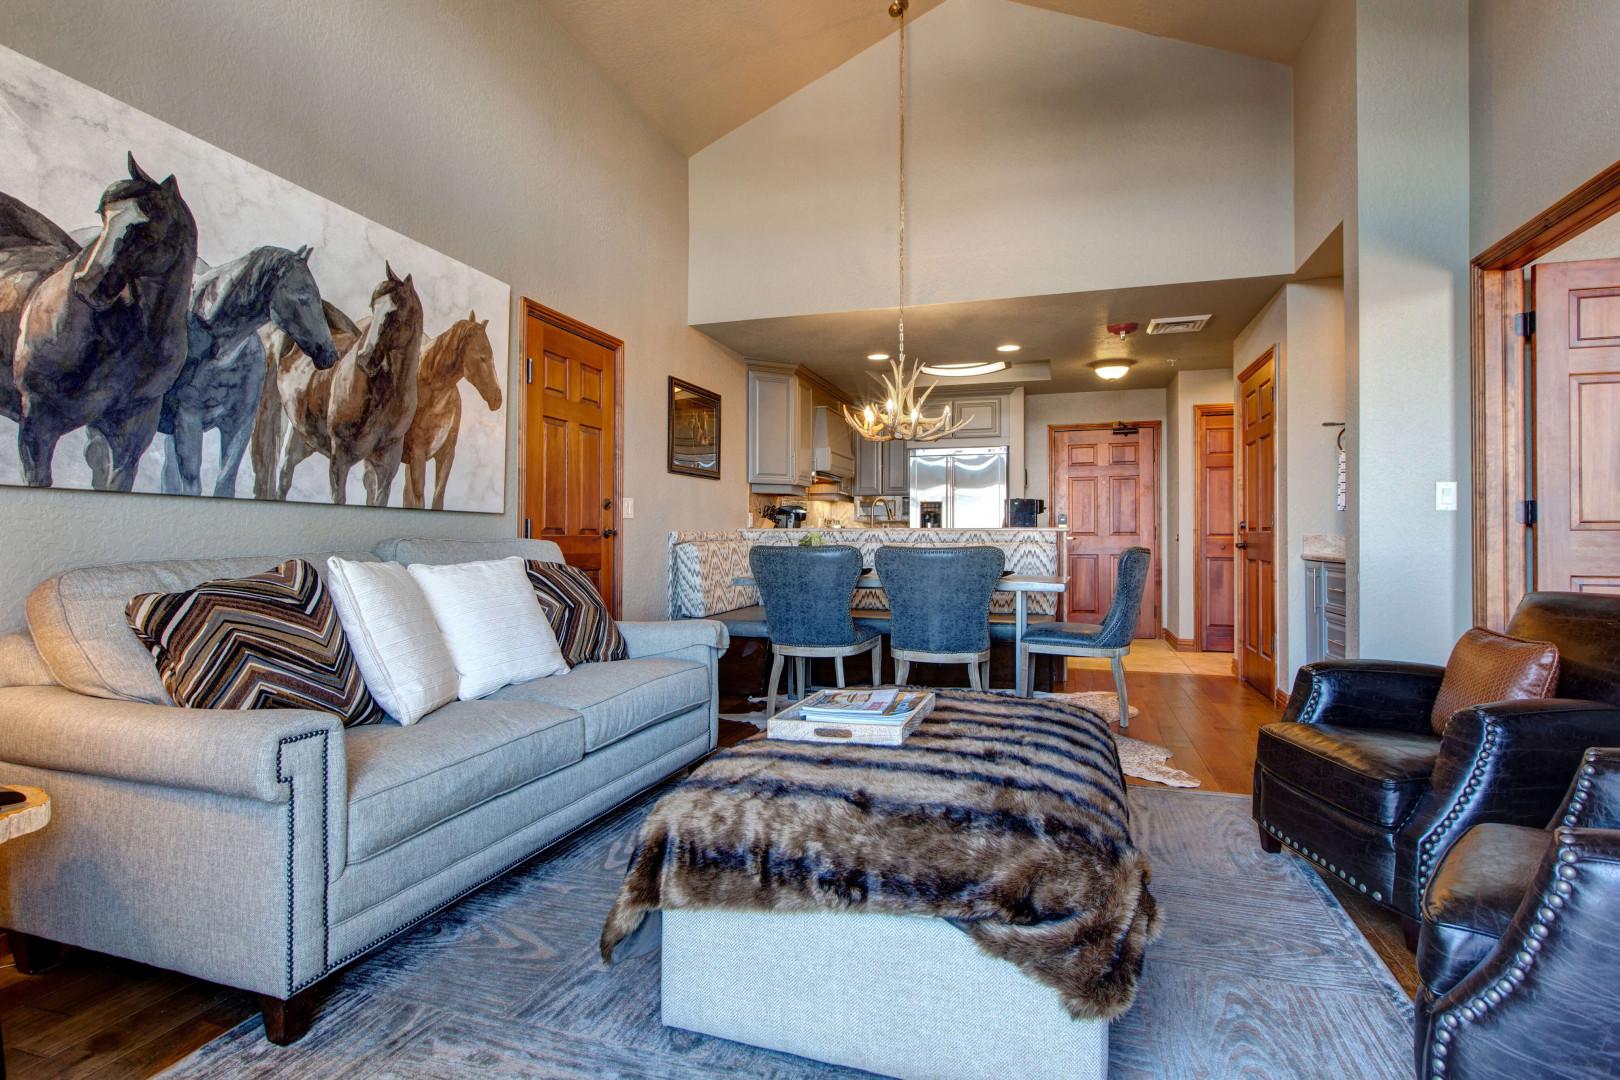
(270, 641)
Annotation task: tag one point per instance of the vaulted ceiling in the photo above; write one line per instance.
(700, 68)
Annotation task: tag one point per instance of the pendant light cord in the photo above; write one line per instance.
(901, 15)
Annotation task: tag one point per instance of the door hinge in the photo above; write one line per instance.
(528, 369)
(526, 532)
(1527, 513)
(1524, 324)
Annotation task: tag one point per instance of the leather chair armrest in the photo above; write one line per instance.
(1508, 762)
(1542, 990)
(1593, 799)
(1387, 694)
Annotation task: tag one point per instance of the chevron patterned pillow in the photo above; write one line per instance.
(270, 641)
(584, 628)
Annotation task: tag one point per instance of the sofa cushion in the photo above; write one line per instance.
(270, 641)
(1473, 897)
(1486, 666)
(487, 616)
(620, 698)
(395, 639)
(1373, 775)
(584, 627)
(404, 780)
(77, 619)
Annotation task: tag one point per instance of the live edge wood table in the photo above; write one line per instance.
(1020, 585)
(18, 819)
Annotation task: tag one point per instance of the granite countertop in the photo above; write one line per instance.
(1322, 547)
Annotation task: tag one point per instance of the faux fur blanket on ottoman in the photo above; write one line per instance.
(1005, 815)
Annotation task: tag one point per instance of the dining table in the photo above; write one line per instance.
(1020, 585)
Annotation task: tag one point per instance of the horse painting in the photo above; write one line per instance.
(461, 352)
(225, 364)
(360, 410)
(101, 335)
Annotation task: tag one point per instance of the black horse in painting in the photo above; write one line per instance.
(102, 336)
(225, 364)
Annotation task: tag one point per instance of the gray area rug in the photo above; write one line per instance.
(1259, 973)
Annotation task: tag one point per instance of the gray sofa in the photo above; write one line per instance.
(266, 849)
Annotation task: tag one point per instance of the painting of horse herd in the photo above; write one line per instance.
(174, 319)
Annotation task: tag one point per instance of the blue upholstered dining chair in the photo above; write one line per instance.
(939, 606)
(1112, 639)
(806, 592)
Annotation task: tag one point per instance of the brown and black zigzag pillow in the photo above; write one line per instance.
(584, 628)
(271, 641)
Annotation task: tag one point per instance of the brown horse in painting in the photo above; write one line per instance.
(461, 352)
(359, 410)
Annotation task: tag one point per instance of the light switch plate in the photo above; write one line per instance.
(1445, 495)
(627, 507)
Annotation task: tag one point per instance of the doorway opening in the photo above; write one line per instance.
(570, 464)
(1214, 511)
(1256, 538)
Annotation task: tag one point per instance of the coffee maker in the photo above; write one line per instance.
(788, 517)
(1022, 513)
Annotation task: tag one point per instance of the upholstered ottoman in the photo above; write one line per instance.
(901, 995)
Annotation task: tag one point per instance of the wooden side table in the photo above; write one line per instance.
(19, 819)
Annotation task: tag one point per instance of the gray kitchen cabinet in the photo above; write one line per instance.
(1325, 610)
(781, 427)
(881, 468)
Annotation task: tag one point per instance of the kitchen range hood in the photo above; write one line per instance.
(833, 452)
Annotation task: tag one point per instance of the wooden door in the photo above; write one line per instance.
(1214, 576)
(1105, 484)
(570, 445)
(1576, 346)
(1256, 530)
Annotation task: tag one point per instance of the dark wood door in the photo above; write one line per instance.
(1576, 346)
(1104, 484)
(1215, 580)
(1257, 523)
(569, 448)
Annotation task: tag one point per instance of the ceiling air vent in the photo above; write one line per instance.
(1180, 324)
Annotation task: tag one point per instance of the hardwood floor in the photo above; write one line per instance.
(95, 1016)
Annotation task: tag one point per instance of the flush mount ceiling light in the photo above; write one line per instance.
(963, 371)
(1009, 347)
(897, 411)
(877, 356)
(1111, 369)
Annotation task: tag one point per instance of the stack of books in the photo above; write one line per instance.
(872, 717)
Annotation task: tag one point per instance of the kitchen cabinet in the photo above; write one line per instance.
(881, 468)
(1325, 610)
(986, 417)
(781, 430)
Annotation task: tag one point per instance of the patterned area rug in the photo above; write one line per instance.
(1259, 972)
(1137, 757)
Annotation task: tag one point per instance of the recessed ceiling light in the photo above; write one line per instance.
(877, 356)
(962, 371)
(1111, 369)
(1009, 347)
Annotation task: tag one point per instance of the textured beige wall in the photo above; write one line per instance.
(1046, 154)
(1189, 389)
(1324, 127)
(472, 126)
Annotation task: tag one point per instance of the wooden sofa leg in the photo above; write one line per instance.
(1268, 843)
(33, 954)
(285, 1022)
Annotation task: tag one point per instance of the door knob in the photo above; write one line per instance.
(607, 504)
(1239, 544)
(610, 533)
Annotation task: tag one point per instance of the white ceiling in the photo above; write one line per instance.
(1067, 329)
(700, 68)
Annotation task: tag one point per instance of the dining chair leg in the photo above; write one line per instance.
(838, 670)
(1118, 664)
(776, 677)
(877, 663)
(800, 664)
(1023, 670)
(984, 677)
(973, 675)
(902, 670)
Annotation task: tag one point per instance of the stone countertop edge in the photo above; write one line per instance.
(1322, 547)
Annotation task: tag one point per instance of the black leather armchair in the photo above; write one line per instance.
(1354, 778)
(1520, 948)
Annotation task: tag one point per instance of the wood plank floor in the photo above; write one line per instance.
(94, 1016)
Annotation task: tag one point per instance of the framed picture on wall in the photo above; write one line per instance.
(694, 430)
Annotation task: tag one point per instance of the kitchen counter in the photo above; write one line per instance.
(1322, 547)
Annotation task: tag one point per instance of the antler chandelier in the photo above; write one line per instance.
(898, 412)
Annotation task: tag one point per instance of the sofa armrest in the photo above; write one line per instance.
(1388, 694)
(1508, 762)
(656, 638)
(236, 752)
(1539, 991)
(1593, 799)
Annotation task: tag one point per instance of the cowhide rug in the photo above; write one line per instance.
(1137, 757)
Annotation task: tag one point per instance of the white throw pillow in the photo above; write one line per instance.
(396, 641)
(495, 629)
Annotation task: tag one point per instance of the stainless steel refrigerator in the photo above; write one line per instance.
(968, 483)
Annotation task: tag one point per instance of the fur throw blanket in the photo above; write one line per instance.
(1005, 815)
